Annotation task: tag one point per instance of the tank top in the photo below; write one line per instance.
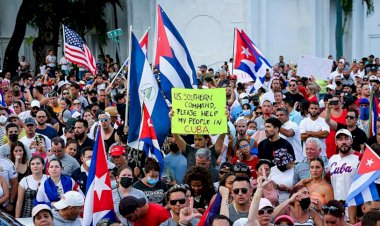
(330, 139)
(110, 141)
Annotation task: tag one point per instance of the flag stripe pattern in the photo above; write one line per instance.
(363, 189)
(373, 115)
(98, 203)
(143, 44)
(172, 57)
(76, 51)
(149, 120)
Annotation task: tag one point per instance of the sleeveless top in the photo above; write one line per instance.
(29, 197)
(330, 139)
(110, 141)
(308, 222)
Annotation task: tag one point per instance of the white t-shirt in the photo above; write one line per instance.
(30, 182)
(343, 171)
(295, 140)
(52, 59)
(319, 124)
(28, 141)
(334, 74)
(282, 178)
(7, 169)
(23, 115)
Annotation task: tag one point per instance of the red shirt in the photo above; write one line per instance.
(155, 215)
(251, 164)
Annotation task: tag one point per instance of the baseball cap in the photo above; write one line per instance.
(40, 207)
(243, 95)
(373, 78)
(286, 218)
(69, 128)
(203, 66)
(35, 103)
(129, 205)
(264, 203)
(343, 131)
(70, 198)
(66, 115)
(363, 101)
(30, 121)
(331, 86)
(12, 116)
(117, 150)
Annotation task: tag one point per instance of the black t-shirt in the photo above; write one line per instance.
(358, 136)
(155, 194)
(276, 151)
(295, 97)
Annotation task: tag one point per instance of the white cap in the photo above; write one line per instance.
(241, 222)
(331, 86)
(76, 114)
(264, 203)
(35, 103)
(70, 198)
(343, 131)
(243, 95)
(66, 115)
(38, 208)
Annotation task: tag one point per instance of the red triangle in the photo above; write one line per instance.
(163, 46)
(369, 162)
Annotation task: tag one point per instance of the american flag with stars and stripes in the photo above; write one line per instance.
(76, 51)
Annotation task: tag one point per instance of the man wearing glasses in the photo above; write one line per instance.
(57, 151)
(241, 193)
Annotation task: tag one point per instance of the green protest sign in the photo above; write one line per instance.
(199, 111)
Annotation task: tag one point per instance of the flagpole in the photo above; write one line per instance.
(233, 52)
(155, 39)
(128, 79)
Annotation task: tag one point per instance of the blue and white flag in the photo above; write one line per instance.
(148, 127)
(363, 189)
(172, 57)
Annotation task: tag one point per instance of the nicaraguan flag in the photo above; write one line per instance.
(98, 204)
(148, 110)
(363, 189)
(172, 57)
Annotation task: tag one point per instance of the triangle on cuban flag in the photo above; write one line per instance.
(143, 44)
(98, 203)
(369, 162)
(145, 96)
(172, 58)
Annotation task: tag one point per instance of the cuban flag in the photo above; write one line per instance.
(149, 120)
(373, 115)
(363, 189)
(249, 63)
(212, 211)
(98, 204)
(172, 58)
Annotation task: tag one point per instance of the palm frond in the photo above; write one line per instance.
(370, 6)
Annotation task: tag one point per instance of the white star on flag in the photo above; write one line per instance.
(369, 162)
(245, 51)
(100, 185)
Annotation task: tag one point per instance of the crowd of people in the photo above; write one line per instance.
(289, 158)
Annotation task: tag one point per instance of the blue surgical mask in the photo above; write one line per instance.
(113, 184)
(244, 101)
(364, 113)
(246, 112)
(151, 181)
(250, 132)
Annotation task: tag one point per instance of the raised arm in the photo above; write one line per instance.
(329, 121)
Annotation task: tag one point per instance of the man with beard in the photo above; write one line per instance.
(30, 134)
(293, 92)
(241, 202)
(275, 86)
(343, 168)
(274, 146)
(69, 164)
(347, 79)
(38, 94)
(80, 133)
(314, 126)
(230, 94)
(42, 127)
(34, 108)
(338, 72)
(175, 160)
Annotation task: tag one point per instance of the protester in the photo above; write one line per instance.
(68, 209)
(42, 215)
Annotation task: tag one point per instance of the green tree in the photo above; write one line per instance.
(47, 16)
(343, 12)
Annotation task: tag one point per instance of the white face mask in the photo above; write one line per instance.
(3, 119)
(88, 163)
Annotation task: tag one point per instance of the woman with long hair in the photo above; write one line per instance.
(320, 190)
(28, 186)
(243, 154)
(124, 179)
(19, 158)
(269, 191)
(202, 190)
(56, 185)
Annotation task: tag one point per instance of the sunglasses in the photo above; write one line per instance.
(174, 202)
(104, 119)
(222, 172)
(244, 146)
(332, 210)
(259, 113)
(238, 168)
(64, 93)
(350, 117)
(237, 190)
(268, 211)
